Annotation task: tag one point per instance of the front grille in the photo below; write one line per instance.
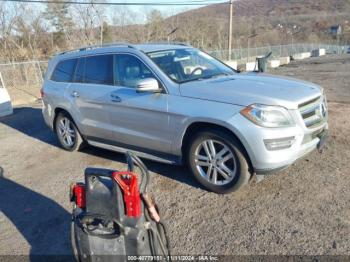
(313, 112)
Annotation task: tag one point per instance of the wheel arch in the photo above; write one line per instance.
(196, 127)
(57, 111)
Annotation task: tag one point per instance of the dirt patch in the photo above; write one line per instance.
(331, 72)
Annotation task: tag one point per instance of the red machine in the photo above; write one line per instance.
(132, 200)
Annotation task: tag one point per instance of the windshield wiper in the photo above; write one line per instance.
(216, 75)
(206, 77)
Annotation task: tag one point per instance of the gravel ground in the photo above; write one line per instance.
(301, 211)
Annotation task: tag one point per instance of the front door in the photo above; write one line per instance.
(140, 120)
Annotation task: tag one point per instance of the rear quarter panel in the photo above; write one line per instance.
(56, 96)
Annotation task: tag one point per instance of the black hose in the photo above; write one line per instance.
(160, 232)
(151, 235)
(130, 162)
(164, 231)
(133, 159)
(160, 235)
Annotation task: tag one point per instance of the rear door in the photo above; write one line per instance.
(61, 78)
(90, 95)
(140, 120)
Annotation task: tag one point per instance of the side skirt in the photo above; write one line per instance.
(173, 160)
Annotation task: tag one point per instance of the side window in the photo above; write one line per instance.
(64, 71)
(130, 70)
(99, 70)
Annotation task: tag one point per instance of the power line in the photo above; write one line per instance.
(189, 3)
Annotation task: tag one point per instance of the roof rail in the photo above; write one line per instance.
(90, 47)
(168, 43)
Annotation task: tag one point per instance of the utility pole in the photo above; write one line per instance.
(230, 31)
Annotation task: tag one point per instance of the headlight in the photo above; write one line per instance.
(268, 116)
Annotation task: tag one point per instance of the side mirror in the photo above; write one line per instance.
(148, 85)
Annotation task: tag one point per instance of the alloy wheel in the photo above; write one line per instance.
(66, 132)
(215, 162)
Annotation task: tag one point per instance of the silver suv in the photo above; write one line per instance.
(176, 104)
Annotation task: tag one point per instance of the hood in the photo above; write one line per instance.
(253, 88)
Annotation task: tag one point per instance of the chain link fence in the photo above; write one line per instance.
(23, 80)
(244, 55)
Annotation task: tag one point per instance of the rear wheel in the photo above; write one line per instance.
(67, 133)
(218, 161)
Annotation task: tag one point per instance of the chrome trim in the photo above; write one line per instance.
(314, 112)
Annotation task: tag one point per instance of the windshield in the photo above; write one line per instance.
(184, 65)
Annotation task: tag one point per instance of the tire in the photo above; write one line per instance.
(65, 127)
(228, 161)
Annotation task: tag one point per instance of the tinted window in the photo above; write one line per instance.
(99, 70)
(64, 71)
(130, 70)
(79, 71)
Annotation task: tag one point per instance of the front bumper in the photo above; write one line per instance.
(266, 161)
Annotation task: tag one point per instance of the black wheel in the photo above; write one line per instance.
(218, 161)
(67, 133)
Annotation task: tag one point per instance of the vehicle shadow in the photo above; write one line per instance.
(179, 173)
(29, 121)
(43, 223)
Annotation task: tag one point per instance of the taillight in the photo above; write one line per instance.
(77, 194)
(42, 93)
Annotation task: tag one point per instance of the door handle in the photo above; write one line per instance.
(115, 98)
(75, 94)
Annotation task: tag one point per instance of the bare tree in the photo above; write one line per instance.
(155, 26)
(8, 17)
(89, 21)
(58, 16)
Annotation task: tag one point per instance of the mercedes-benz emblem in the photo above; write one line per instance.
(322, 110)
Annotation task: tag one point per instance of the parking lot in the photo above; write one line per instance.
(303, 210)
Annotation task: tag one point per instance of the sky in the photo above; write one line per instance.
(166, 10)
(140, 11)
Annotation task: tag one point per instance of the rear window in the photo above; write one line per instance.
(99, 70)
(64, 71)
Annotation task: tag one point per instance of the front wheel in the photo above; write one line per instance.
(218, 161)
